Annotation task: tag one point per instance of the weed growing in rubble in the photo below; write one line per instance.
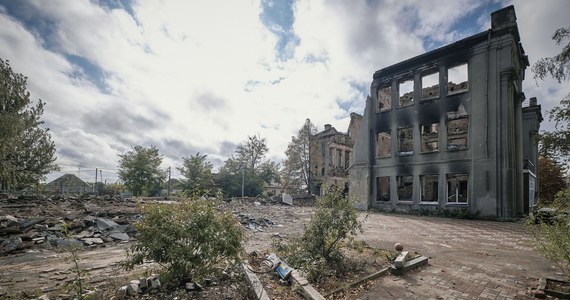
(78, 284)
(551, 236)
(317, 251)
(188, 239)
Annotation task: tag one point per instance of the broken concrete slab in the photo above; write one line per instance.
(410, 265)
(287, 199)
(255, 283)
(119, 236)
(401, 259)
(11, 244)
(104, 224)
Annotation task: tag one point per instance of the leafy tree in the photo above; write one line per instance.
(557, 142)
(27, 152)
(301, 156)
(189, 239)
(250, 164)
(140, 171)
(198, 172)
(551, 179)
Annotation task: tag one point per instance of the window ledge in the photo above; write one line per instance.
(453, 93)
(456, 204)
(429, 203)
(407, 202)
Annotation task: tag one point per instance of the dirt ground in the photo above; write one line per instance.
(468, 259)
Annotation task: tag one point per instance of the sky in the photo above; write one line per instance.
(201, 76)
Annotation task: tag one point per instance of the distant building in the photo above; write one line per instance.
(447, 130)
(334, 152)
(68, 184)
(273, 189)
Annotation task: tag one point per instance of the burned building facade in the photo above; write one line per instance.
(333, 155)
(447, 130)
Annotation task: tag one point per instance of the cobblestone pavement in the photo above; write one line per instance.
(468, 259)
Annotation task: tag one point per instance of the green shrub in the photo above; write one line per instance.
(188, 239)
(552, 239)
(317, 251)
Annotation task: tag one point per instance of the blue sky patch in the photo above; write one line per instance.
(89, 71)
(278, 17)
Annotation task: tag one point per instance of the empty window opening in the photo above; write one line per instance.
(346, 159)
(384, 99)
(383, 143)
(457, 79)
(405, 187)
(406, 91)
(429, 188)
(457, 188)
(430, 86)
(406, 141)
(383, 189)
(339, 157)
(430, 137)
(458, 134)
(331, 156)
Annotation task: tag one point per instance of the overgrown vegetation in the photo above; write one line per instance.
(552, 238)
(79, 283)
(188, 239)
(317, 252)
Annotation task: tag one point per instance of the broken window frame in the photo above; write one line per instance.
(384, 97)
(346, 159)
(457, 135)
(388, 147)
(428, 136)
(383, 189)
(451, 90)
(431, 178)
(428, 75)
(405, 82)
(457, 188)
(405, 188)
(405, 141)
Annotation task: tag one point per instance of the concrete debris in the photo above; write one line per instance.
(63, 222)
(10, 245)
(287, 199)
(136, 287)
(252, 223)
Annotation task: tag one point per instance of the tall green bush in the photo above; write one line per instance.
(552, 239)
(318, 249)
(189, 239)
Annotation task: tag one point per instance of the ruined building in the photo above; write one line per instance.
(333, 155)
(447, 130)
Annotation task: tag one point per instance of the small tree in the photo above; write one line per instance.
(335, 220)
(140, 171)
(302, 156)
(27, 152)
(198, 172)
(551, 179)
(552, 239)
(188, 239)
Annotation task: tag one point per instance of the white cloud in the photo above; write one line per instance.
(202, 75)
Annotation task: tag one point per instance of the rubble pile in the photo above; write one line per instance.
(42, 222)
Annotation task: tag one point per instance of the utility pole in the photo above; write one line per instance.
(100, 180)
(96, 171)
(169, 181)
(242, 185)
